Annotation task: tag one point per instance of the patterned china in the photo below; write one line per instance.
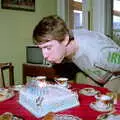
(95, 107)
(63, 82)
(17, 87)
(107, 116)
(6, 94)
(88, 91)
(10, 116)
(66, 117)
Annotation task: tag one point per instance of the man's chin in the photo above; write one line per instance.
(56, 62)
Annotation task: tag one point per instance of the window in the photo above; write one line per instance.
(116, 21)
(76, 13)
(116, 15)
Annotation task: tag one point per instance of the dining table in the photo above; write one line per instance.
(83, 110)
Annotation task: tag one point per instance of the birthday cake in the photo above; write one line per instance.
(40, 100)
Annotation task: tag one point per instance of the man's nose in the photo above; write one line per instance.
(45, 54)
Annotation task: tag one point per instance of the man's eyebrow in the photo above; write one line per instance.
(43, 41)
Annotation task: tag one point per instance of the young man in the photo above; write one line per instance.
(90, 51)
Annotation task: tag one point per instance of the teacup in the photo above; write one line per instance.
(41, 81)
(41, 78)
(62, 81)
(103, 101)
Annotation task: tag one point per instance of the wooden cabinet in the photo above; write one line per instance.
(33, 70)
(68, 70)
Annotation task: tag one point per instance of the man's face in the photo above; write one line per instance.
(53, 51)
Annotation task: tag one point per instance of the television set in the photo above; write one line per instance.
(34, 56)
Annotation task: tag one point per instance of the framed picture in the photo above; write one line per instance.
(26, 5)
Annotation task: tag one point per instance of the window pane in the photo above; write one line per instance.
(116, 16)
(77, 0)
(78, 19)
(116, 5)
(116, 22)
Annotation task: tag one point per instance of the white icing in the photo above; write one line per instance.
(40, 101)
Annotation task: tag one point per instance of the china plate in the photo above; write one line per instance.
(6, 94)
(66, 117)
(88, 91)
(10, 116)
(107, 116)
(17, 87)
(96, 108)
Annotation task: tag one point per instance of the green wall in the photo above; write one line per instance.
(16, 32)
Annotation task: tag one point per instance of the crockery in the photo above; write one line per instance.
(17, 87)
(66, 117)
(63, 82)
(101, 109)
(6, 94)
(107, 116)
(10, 116)
(88, 91)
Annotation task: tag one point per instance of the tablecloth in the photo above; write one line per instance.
(83, 110)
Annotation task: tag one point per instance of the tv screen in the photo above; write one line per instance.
(34, 55)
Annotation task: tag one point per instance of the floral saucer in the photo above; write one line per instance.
(17, 87)
(10, 116)
(101, 109)
(88, 91)
(109, 116)
(66, 117)
(6, 94)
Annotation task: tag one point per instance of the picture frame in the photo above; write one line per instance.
(24, 5)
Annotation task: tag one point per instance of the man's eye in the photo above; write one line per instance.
(48, 48)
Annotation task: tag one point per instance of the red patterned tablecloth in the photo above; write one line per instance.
(83, 110)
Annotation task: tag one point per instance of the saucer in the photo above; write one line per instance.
(108, 116)
(6, 94)
(10, 116)
(96, 108)
(66, 117)
(88, 91)
(17, 87)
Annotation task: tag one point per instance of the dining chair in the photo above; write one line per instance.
(6, 66)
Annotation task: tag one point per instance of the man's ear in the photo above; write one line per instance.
(66, 40)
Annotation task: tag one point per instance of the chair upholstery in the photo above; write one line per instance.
(113, 84)
(112, 81)
(10, 68)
